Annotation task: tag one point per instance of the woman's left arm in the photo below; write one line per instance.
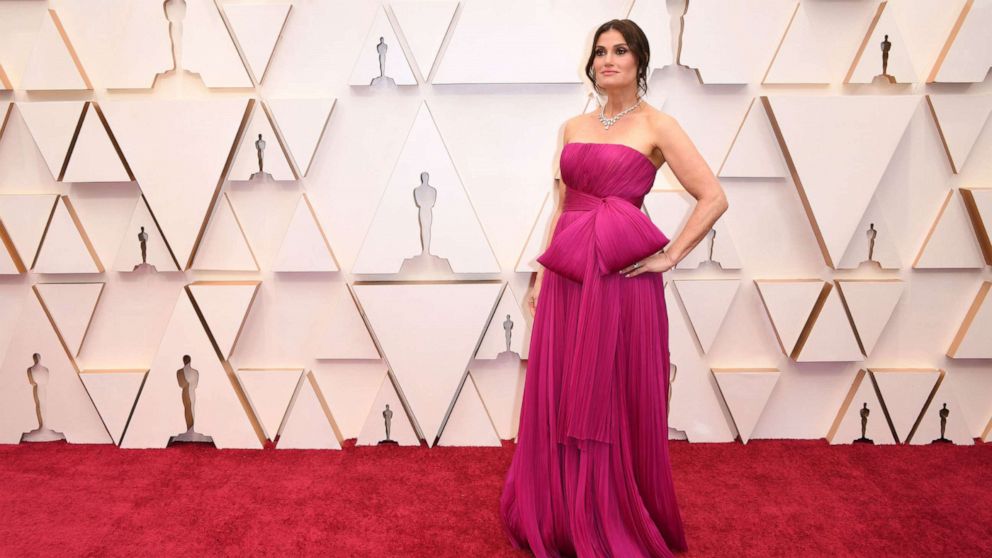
(696, 177)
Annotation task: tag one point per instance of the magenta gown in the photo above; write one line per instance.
(591, 474)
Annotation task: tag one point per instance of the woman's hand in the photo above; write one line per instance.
(534, 292)
(657, 263)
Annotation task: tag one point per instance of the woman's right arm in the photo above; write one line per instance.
(560, 189)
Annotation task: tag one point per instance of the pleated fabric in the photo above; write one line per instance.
(591, 474)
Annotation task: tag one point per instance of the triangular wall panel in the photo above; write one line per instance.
(507, 319)
(428, 334)
(707, 302)
(178, 150)
(275, 162)
(208, 49)
(500, 382)
(53, 126)
(381, 44)
(967, 55)
(114, 393)
(270, 391)
(25, 218)
(801, 57)
(874, 238)
(301, 124)
(309, 424)
(974, 336)
(950, 243)
(868, 62)
(224, 246)
(836, 172)
(70, 306)
(906, 393)
(870, 303)
(424, 26)
(847, 424)
(733, 42)
(746, 392)
(218, 411)
(53, 64)
(979, 204)
(754, 153)
(469, 423)
(695, 404)
(66, 408)
(828, 336)
(955, 426)
(94, 157)
(345, 336)
(400, 429)
(788, 304)
(157, 250)
(395, 235)
(960, 119)
(305, 246)
(66, 248)
(257, 28)
(224, 306)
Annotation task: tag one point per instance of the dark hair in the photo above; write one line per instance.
(636, 41)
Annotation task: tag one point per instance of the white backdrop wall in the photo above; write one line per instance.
(484, 116)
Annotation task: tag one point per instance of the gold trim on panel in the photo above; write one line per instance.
(72, 359)
(324, 406)
(89, 320)
(282, 142)
(206, 325)
(737, 134)
(117, 146)
(72, 50)
(821, 301)
(864, 41)
(238, 137)
(981, 232)
(44, 233)
(72, 142)
(940, 132)
(232, 377)
(950, 41)
(5, 81)
(320, 229)
(933, 227)
(778, 47)
(969, 318)
(797, 181)
(82, 233)
(926, 404)
(158, 227)
(845, 406)
(8, 243)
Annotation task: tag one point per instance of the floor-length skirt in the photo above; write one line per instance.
(569, 496)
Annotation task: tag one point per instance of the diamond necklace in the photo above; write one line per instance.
(607, 122)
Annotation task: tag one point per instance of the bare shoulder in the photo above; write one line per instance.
(665, 129)
(573, 125)
(661, 121)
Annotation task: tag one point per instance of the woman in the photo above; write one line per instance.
(591, 474)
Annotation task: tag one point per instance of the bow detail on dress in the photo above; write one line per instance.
(612, 234)
(609, 235)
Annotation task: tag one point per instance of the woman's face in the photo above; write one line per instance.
(615, 65)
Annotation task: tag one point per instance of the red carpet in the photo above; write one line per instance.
(768, 498)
